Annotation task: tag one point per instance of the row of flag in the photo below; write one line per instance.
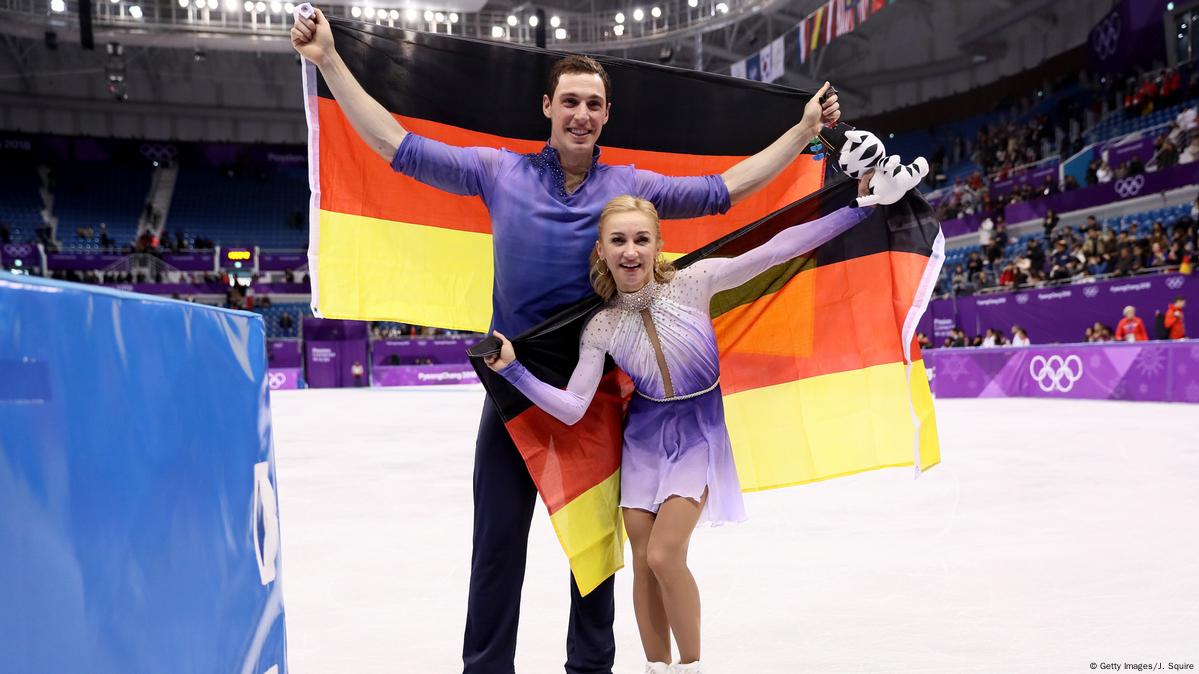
(828, 22)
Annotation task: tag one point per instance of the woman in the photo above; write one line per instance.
(677, 466)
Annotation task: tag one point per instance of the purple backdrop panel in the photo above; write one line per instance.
(213, 288)
(328, 363)
(268, 261)
(1139, 371)
(409, 351)
(1062, 314)
(1116, 190)
(82, 261)
(1128, 35)
(328, 329)
(1141, 149)
(25, 252)
(423, 375)
(280, 378)
(283, 353)
(199, 261)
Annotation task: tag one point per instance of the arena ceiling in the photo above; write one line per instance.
(910, 52)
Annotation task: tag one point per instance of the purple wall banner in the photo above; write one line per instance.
(1061, 314)
(1035, 177)
(329, 363)
(1128, 35)
(1087, 197)
(283, 353)
(423, 375)
(1140, 371)
(82, 261)
(25, 252)
(213, 288)
(1141, 148)
(280, 378)
(198, 261)
(268, 261)
(409, 351)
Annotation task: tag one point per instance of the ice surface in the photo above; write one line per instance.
(1054, 534)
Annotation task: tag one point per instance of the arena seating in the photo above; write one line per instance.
(260, 210)
(89, 194)
(20, 205)
(272, 314)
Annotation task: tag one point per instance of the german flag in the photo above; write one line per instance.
(820, 373)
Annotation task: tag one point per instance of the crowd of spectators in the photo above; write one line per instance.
(1066, 254)
(1005, 149)
(992, 337)
(393, 330)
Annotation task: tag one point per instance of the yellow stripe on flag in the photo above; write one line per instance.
(829, 426)
(592, 533)
(372, 269)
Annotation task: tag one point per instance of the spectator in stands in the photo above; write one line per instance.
(1131, 328)
(1125, 264)
(1049, 223)
(974, 264)
(1191, 151)
(923, 341)
(1097, 266)
(989, 340)
(357, 371)
(1104, 173)
(1007, 277)
(1173, 318)
(976, 341)
(1069, 183)
(958, 279)
(1135, 166)
(985, 229)
(286, 323)
(957, 338)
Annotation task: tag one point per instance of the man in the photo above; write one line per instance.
(1172, 321)
(1131, 328)
(544, 209)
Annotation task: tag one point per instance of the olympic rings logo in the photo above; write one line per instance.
(1055, 373)
(1090, 291)
(276, 380)
(1130, 186)
(1021, 299)
(157, 152)
(1105, 38)
(18, 250)
(1175, 282)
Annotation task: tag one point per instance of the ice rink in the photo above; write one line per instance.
(1053, 535)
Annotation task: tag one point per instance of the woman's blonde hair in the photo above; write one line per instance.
(601, 276)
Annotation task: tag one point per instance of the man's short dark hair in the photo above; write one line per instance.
(578, 64)
(1179, 298)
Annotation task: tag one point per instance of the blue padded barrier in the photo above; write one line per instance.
(138, 518)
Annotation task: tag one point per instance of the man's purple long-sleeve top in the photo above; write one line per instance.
(542, 236)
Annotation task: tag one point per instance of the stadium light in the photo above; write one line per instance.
(618, 29)
(114, 1)
(249, 6)
(497, 32)
(260, 7)
(555, 22)
(638, 15)
(560, 33)
(276, 6)
(59, 6)
(230, 5)
(533, 20)
(722, 8)
(410, 14)
(620, 17)
(693, 3)
(288, 8)
(135, 11)
(656, 12)
(182, 4)
(356, 11)
(453, 17)
(428, 15)
(381, 14)
(512, 20)
(439, 17)
(213, 4)
(393, 14)
(201, 4)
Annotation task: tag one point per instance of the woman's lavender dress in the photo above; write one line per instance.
(676, 446)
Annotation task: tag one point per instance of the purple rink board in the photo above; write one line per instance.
(283, 353)
(269, 261)
(423, 375)
(408, 351)
(281, 378)
(1136, 371)
(214, 288)
(1061, 314)
(329, 363)
(1088, 197)
(1035, 177)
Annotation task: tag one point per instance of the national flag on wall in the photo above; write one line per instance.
(821, 376)
(801, 39)
(753, 68)
(738, 69)
(771, 58)
(816, 23)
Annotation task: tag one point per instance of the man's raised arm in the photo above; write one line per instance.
(753, 173)
(313, 39)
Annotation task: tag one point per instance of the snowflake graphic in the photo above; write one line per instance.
(1151, 362)
(1095, 360)
(954, 368)
(1192, 392)
(1143, 388)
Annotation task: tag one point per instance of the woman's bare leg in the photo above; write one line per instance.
(647, 595)
(667, 555)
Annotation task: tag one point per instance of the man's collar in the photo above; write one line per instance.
(548, 160)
